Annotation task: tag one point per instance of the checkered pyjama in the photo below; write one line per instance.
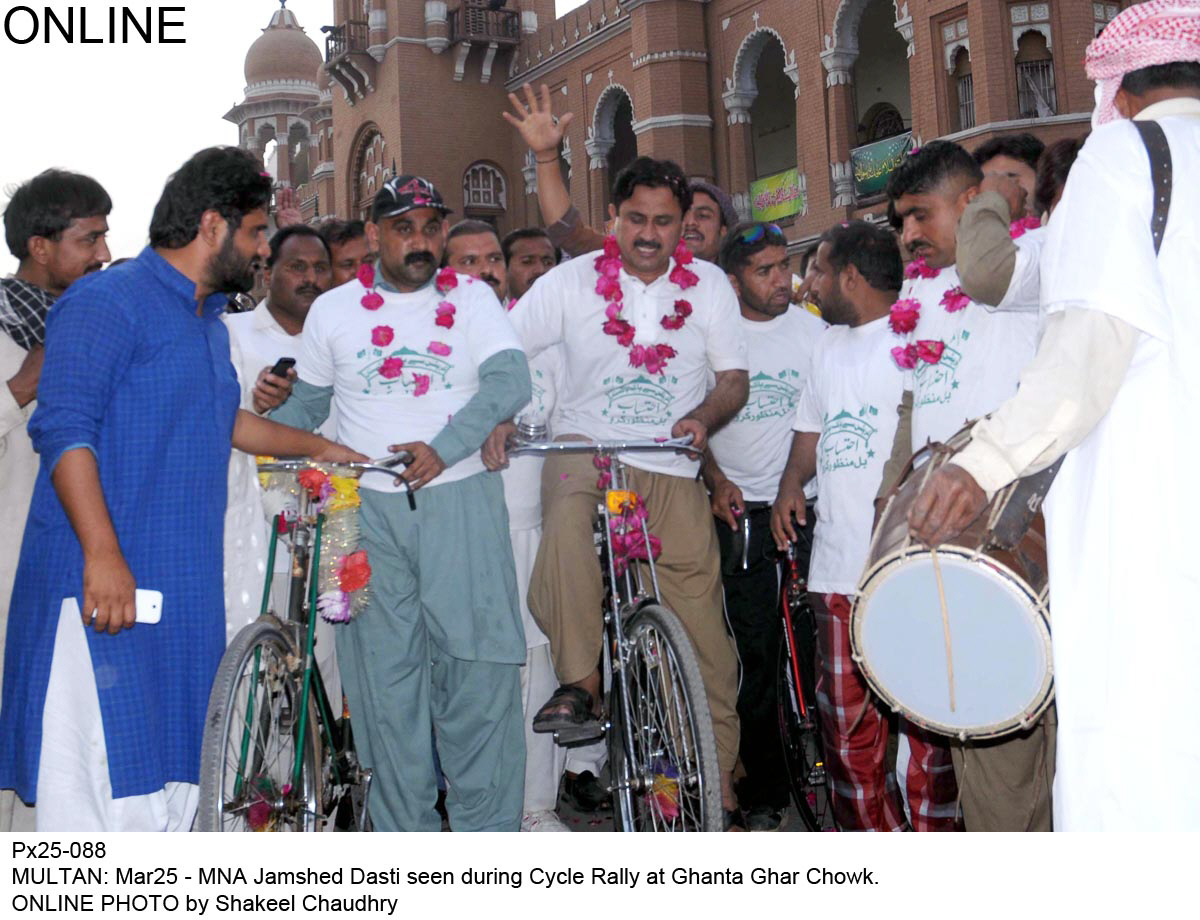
(854, 725)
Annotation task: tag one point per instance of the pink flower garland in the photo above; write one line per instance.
(918, 268)
(907, 312)
(381, 336)
(608, 265)
(1018, 228)
(955, 300)
(628, 536)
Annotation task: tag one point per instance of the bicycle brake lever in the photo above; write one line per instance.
(390, 462)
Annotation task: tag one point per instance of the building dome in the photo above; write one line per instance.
(324, 80)
(282, 53)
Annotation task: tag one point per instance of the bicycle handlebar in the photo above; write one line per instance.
(385, 465)
(603, 447)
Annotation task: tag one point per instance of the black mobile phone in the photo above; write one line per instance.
(282, 366)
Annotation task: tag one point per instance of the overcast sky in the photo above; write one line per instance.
(129, 115)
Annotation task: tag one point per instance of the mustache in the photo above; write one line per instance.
(649, 243)
(416, 258)
(309, 289)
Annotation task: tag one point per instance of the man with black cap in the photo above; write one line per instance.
(425, 361)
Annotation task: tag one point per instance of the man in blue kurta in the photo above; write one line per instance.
(429, 364)
(137, 410)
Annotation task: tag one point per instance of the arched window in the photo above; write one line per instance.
(624, 148)
(883, 120)
(369, 172)
(298, 153)
(962, 91)
(484, 189)
(773, 114)
(881, 78)
(1036, 97)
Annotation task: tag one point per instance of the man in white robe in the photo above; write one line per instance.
(1114, 387)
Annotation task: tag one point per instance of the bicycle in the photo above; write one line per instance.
(273, 754)
(662, 747)
(799, 724)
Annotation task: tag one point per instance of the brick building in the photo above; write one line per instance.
(797, 107)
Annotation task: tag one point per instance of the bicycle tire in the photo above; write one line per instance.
(673, 782)
(803, 748)
(247, 737)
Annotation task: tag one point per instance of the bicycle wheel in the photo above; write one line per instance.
(249, 750)
(800, 732)
(672, 782)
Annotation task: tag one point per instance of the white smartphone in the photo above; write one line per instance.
(148, 604)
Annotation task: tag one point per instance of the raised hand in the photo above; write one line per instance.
(534, 119)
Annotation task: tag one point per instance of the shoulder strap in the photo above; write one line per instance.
(1161, 172)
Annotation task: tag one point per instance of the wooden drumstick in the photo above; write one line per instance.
(937, 573)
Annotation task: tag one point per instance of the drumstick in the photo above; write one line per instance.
(937, 572)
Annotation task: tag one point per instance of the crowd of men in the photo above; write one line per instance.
(136, 402)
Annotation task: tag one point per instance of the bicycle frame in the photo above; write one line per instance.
(792, 597)
(637, 585)
(300, 619)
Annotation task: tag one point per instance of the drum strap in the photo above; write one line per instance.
(1161, 176)
(1025, 500)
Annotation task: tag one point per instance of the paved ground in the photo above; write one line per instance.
(580, 822)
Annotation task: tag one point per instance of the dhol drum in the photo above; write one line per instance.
(957, 639)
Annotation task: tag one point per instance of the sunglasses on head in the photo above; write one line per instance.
(752, 235)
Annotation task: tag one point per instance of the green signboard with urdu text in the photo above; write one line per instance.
(874, 163)
(776, 197)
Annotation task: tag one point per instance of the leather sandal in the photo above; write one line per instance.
(568, 708)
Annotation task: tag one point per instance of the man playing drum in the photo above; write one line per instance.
(1114, 384)
(963, 361)
(742, 469)
(844, 422)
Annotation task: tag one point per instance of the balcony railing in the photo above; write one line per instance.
(349, 36)
(473, 21)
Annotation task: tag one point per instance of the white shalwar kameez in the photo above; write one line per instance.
(1124, 557)
(1122, 523)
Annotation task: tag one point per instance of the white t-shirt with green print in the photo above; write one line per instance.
(851, 398)
(752, 450)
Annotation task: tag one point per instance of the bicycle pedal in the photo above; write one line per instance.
(583, 734)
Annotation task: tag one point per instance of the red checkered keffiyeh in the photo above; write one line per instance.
(1145, 35)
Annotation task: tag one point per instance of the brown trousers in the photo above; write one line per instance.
(1004, 784)
(566, 591)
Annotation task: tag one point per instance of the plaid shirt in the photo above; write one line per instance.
(23, 308)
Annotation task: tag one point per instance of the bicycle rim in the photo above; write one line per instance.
(670, 780)
(249, 750)
(803, 752)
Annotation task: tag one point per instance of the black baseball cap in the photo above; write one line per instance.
(406, 193)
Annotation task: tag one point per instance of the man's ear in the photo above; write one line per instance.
(39, 249)
(849, 278)
(1126, 103)
(213, 229)
(965, 197)
(372, 229)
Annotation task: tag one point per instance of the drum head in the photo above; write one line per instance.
(1000, 643)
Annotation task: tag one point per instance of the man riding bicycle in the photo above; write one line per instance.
(643, 328)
